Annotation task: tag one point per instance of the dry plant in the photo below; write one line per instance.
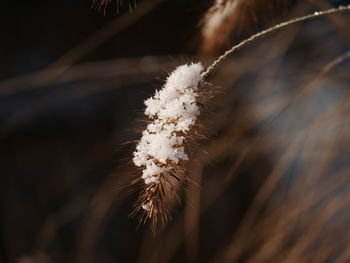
(173, 110)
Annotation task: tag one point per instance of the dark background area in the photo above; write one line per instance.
(36, 33)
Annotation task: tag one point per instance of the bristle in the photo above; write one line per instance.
(102, 5)
(157, 199)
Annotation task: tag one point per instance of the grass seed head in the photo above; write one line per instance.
(162, 150)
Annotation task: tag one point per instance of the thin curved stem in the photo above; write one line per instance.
(220, 59)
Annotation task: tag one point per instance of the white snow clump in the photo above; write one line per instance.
(173, 110)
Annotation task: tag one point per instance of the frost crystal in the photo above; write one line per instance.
(173, 110)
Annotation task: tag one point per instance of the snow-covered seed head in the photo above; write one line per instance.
(160, 153)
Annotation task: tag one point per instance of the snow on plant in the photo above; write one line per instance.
(173, 111)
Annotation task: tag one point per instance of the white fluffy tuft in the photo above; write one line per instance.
(173, 110)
